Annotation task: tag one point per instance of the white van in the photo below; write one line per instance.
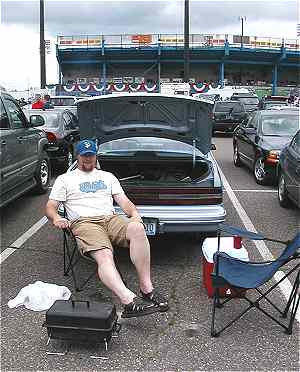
(224, 93)
(172, 89)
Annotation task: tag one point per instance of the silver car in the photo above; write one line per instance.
(61, 128)
(160, 149)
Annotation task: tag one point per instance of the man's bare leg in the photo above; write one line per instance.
(110, 276)
(140, 254)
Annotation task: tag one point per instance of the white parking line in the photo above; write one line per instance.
(262, 191)
(22, 239)
(285, 285)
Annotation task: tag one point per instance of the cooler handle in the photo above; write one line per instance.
(87, 302)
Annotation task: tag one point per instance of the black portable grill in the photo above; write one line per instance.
(82, 321)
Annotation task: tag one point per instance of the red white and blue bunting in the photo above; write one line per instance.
(199, 87)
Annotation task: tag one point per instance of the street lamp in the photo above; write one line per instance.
(242, 19)
(186, 42)
(42, 46)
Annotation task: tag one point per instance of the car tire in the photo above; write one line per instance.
(236, 156)
(43, 174)
(282, 194)
(259, 171)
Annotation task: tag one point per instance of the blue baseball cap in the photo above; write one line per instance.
(86, 147)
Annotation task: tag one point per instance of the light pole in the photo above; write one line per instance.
(242, 19)
(186, 42)
(42, 46)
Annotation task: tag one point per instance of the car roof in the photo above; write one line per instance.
(278, 111)
(47, 111)
(64, 97)
(230, 101)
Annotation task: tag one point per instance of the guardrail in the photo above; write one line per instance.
(175, 41)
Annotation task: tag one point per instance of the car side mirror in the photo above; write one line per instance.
(36, 121)
(213, 146)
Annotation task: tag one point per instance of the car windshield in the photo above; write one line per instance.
(134, 144)
(274, 104)
(65, 101)
(280, 125)
(249, 100)
(224, 106)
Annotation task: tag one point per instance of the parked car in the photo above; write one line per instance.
(250, 101)
(227, 115)
(160, 149)
(259, 141)
(61, 128)
(63, 100)
(289, 173)
(24, 163)
(269, 102)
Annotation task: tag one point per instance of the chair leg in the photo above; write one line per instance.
(292, 295)
(295, 303)
(216, 301)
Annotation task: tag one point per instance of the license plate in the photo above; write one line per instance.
(150, 226)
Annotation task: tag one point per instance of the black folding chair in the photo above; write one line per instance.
(229, 271)
(73, 258)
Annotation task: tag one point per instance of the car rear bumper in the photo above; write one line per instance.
(226, 127)
(202, 218)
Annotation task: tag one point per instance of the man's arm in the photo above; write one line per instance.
(127, 206)
(51, 213)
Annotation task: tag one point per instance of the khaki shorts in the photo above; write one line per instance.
(94, 233)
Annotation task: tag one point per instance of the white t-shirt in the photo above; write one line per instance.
(86, 194)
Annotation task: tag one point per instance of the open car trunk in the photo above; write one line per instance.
(149, 171)
(164, 181)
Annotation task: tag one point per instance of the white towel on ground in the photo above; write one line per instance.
(39, 296)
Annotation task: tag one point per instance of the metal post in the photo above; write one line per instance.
(59, 75)
(103, 68)
(42, 47)
(104, 77)
(158, 67)
(242, 19)
(222, 74)
(186, 42)
(274, 80)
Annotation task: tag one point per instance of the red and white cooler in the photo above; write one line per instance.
(232, 245)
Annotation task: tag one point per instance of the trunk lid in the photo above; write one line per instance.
(180, 118)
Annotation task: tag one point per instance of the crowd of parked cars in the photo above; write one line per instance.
(162, 144)
(265, 139)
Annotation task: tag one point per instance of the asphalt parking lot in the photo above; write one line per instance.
(177, 341)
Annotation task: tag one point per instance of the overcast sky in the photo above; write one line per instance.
(19, 62)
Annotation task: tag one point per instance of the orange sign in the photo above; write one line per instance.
(141, 39)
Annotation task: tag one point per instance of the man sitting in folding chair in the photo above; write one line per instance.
(87, 195)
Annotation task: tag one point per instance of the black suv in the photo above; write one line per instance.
(227, 115)
(250, 101)
(269, 102)
(24, 163)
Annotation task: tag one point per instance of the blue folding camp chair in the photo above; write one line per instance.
(229, 271)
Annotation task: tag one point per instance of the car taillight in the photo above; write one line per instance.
(174, 196)
(51, 137)
(273, 157)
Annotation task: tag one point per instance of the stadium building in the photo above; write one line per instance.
(142, 62)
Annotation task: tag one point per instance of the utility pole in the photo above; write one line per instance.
(42, 46)
(186, 42)
(242, 19)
